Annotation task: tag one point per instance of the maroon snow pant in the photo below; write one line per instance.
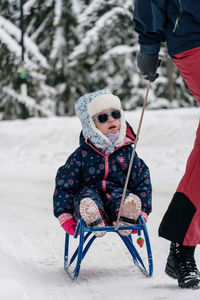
(181, 222)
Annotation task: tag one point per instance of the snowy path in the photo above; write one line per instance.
(31, 241)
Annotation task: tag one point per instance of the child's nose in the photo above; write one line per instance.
(110, 118)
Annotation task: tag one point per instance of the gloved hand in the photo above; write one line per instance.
(69, 226)
(147, 65)
(68, 223)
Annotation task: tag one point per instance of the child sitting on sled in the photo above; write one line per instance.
(90, 184)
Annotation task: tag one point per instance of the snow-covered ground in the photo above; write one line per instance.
(31, 240)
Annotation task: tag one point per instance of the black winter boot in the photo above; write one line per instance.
(181, 265)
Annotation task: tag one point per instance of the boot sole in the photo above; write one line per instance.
(192, 284)
(131, 209)
(90, 213)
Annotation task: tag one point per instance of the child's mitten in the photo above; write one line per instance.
(145, 216)
(142, 213)
(68, 223)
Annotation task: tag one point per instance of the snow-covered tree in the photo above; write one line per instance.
(52, 26)
(39, 98)
(74, 47)
(105, 55)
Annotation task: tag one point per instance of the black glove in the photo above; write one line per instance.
(147, 65)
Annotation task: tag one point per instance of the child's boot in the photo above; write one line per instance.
(91, 215)
(181, 265)
(130, 212)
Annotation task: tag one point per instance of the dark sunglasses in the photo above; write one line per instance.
(103, 118)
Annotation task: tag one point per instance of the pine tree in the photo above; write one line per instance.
(52, 27)
(64, 78)
(14, 71)
(105, 56)
(74, 47)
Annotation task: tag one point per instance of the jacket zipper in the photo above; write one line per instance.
(178, 17)
(106, 165)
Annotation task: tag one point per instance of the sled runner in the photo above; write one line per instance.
(86, 238)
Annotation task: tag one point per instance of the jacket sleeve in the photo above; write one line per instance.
(67, 185)
(140, 183)
(149, 22)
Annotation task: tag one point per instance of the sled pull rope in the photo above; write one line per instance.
(132, 155)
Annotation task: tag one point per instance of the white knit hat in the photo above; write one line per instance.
(103, 102)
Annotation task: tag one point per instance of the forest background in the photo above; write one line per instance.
(73, 47)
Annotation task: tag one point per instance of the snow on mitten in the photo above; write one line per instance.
(68, 223)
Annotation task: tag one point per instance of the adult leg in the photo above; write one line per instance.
(181, 222)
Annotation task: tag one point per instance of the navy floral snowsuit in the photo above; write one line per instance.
(88, 172)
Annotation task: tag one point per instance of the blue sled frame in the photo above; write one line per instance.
(85, 242)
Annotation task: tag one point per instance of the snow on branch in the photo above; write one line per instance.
(28, 5)
(58, 43)
(90, 14)
(11, 43)
(119, 50)
(93, 8)
(58, 12)
(13, 33)
(27, 100)
(40, 29)
(93, 34)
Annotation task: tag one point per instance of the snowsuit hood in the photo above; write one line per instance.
(93, 103)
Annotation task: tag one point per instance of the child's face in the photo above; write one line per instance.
(112, 125)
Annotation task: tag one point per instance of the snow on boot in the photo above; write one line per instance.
(130, 212)
(91, 215)
(170, 267)
(181, 265)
